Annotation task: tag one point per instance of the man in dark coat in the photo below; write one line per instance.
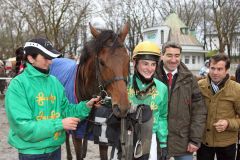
(186, 108)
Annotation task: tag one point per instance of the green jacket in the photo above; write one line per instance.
(35, 106)
(225, 104)
(158, 101)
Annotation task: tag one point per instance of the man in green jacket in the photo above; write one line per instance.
(186, 109)
(37, 108)
(223, 102)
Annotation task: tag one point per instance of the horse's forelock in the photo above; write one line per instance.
(95, 45)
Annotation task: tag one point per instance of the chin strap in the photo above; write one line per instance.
(142, 78)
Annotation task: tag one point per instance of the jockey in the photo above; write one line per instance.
(145, 90)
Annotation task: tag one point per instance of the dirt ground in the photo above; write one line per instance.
(9, 153)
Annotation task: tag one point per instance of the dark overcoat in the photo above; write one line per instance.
(186, 111)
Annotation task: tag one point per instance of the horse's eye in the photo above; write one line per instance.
(102, 62)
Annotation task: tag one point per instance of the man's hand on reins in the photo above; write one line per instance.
(94, 102)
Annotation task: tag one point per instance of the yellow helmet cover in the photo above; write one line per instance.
(146, 50)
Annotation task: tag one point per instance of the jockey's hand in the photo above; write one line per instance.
(70, 123)
(94, 102)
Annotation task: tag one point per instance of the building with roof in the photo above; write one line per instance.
(175, 30)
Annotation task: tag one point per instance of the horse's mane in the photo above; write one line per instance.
(95, 45)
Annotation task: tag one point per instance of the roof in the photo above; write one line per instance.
(179, 32)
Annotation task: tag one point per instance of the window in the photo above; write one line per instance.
(193, 59)
(187, 59)
(184, 30)
(199, 59)
(151, 35)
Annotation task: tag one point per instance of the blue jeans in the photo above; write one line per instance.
(55, 155)
(184, 157)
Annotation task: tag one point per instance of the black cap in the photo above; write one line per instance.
(42, 46)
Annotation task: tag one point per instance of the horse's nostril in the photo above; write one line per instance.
(116, 109)
(117, 112)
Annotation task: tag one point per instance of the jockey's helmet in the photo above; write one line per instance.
(146, 50)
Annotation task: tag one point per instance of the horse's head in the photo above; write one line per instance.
(113, 66)
(109, 61)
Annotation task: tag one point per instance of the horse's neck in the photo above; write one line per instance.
(86, 85)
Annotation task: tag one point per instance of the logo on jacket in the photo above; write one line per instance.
(41, 98)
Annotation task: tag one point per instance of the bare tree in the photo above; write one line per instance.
(139, 13)
(188, 11)
(231, 21)
(57, 20)
(64, 22)
(11, 29)
(226, 19)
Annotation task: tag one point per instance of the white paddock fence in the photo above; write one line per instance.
(5, 78)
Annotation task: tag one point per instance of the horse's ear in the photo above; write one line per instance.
(124, 31)
(94, 32)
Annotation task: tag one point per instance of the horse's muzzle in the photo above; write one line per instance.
(118, 112)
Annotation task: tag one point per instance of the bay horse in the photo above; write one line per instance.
(103, 69)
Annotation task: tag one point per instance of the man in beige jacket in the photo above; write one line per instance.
(222, 97)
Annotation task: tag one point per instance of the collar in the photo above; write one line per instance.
(32, 71)
(142, 91)
(173, 73)
(44, 71)
(222, 82)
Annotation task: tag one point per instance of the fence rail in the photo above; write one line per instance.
(5, 78)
